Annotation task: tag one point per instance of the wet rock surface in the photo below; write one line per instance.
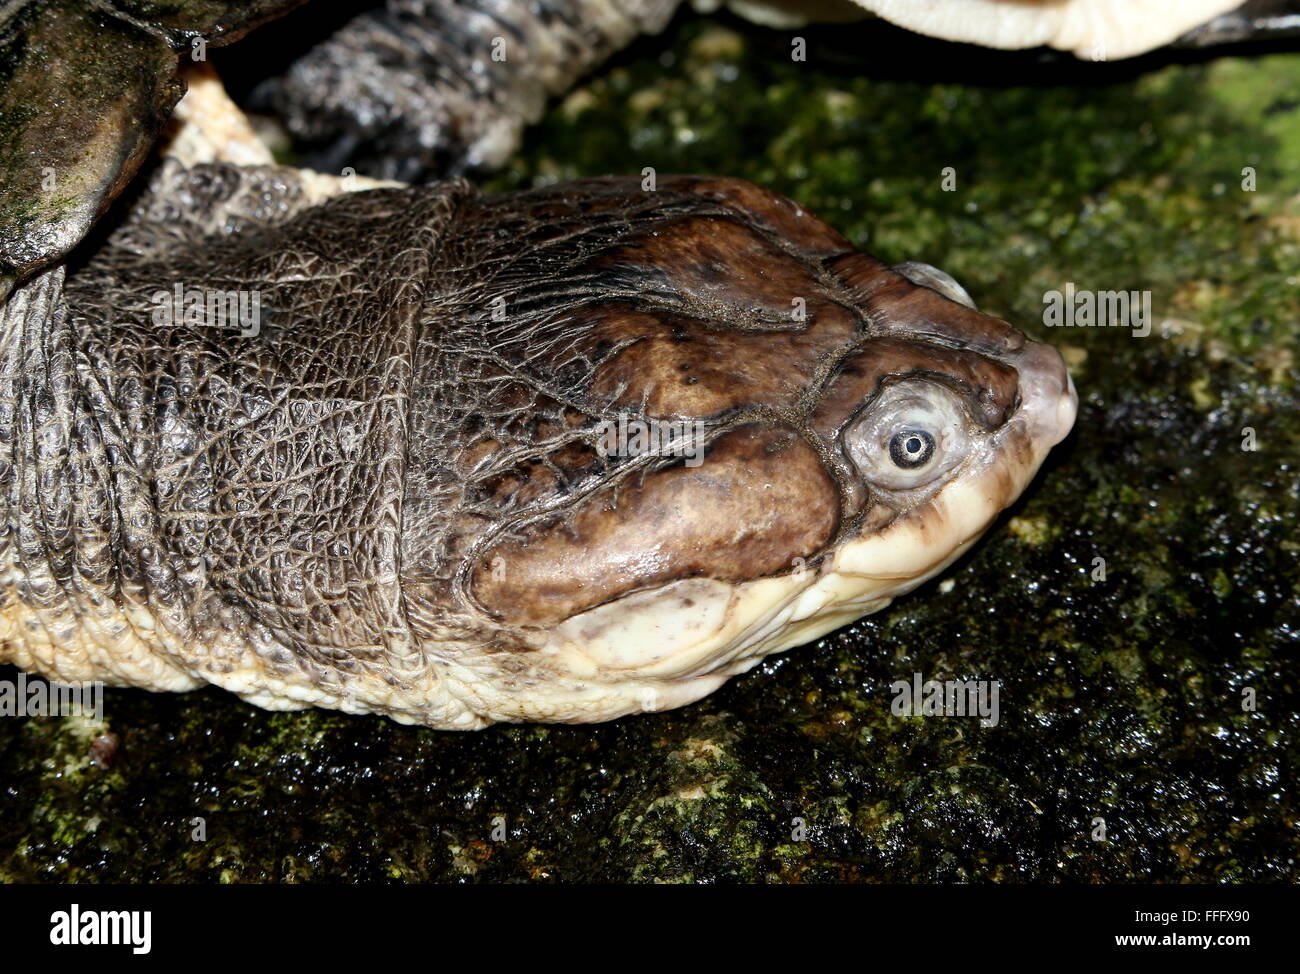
(1122, 699)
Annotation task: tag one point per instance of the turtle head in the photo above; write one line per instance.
(745, 433)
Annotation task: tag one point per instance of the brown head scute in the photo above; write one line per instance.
(715, 269)
(896, 306)
(761, 499)
(990, 385)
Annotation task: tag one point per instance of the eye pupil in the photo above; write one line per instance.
(910, 449)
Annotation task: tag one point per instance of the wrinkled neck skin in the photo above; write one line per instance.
(187, 505)
(388, 497)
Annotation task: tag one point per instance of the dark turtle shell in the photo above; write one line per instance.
(85, 89)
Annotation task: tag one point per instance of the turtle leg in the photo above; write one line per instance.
(208, 127)
(440, 87)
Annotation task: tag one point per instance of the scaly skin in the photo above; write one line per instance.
(417, 86)
(390, 499)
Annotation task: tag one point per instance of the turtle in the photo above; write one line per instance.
(584, 451)
(577, 452)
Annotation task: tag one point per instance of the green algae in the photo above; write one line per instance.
(1121, 692)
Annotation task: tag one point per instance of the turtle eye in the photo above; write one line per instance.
(910, 449)
(914, 433)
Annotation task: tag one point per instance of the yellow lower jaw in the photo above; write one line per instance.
(697, 627)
